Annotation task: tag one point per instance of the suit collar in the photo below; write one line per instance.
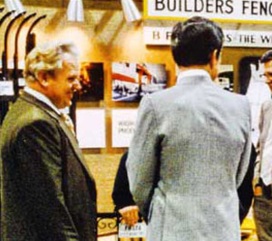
(193, 79)
(41, 97)
(72, 139)
(193, 72)
(192, 76)
(41, 104)
(50, 111)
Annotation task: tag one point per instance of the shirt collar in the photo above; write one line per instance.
(193, 72)
(41, 97)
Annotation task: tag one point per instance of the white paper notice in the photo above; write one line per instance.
(123, 125)
(136, 231)
(90, 128)
(6, 88)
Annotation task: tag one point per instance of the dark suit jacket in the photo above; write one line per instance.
(121, 194)
(48, 193)
(245, 191)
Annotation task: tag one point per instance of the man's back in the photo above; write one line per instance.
(194, 136)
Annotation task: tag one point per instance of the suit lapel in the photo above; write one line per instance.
(72, 139)
(267, 121)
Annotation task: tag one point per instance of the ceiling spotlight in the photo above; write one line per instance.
(15, 5)
(130, 11)
(75, 11)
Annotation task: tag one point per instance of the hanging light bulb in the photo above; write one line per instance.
(75, 11)
(130, 11)
(15, 5)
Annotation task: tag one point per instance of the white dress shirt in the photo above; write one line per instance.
(192, 72)
(42, 98)
(63, 113)
(266, 162)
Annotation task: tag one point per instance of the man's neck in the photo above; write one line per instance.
(195, 67)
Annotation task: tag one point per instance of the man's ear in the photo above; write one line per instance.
(214, 64)
(42, 78)
(214, 60)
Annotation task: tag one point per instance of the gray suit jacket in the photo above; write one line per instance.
(189, 154)
(47, 192)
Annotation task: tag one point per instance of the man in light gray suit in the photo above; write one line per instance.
(191, 146)
(263, 167)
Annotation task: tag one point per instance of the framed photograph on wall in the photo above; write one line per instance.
(131, 81)
(92, 82)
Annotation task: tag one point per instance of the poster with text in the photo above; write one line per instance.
(123, 126)
(90, 128)
(131, 81)
(92, 82)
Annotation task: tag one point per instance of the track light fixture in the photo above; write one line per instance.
(130, 11)
(75, 11)
(15, 5)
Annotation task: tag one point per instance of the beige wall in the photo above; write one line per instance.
(103, 37)
(106, 37)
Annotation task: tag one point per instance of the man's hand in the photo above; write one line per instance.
(130, 214)
(257, 187)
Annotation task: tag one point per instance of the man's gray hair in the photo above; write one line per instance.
(47, 57)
